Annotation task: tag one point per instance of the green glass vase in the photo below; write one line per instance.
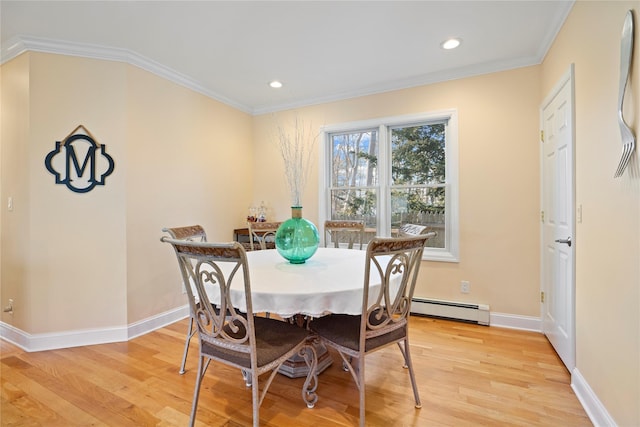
(297, 238)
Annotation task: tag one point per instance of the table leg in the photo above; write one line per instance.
(295, 367)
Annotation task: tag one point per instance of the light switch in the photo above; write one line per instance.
(579, 214)
(10, 203)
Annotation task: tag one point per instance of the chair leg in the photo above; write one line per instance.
(362, 388)
(345, 366)
(190, 333)
(255, 397)
(246, 376)
(407, 357)
(404, 356)
(202, 367)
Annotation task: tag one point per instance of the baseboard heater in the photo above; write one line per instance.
(473, 313)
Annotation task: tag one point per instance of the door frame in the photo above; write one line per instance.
(567, 78)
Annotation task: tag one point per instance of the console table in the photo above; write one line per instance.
(241, 235)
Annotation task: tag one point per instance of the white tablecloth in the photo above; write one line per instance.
(329, 282)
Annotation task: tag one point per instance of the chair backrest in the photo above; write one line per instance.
(193, 233)
(215, 267)
(412, 230)
(397, 262)
(349, 231)
(416, 230)
(264, 233)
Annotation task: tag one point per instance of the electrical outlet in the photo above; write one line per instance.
(465, 287)
(9, 308)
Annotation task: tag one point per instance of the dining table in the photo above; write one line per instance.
(331, 281)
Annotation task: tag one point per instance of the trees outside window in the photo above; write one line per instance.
(354, 177)
(393, 172)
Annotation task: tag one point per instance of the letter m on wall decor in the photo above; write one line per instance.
(79, 162)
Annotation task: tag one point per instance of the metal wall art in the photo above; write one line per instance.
(626, 50)
(79, 162)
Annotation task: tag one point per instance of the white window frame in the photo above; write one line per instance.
(450, 253)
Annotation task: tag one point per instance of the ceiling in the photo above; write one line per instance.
(321, 50)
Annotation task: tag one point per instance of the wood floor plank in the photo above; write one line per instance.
(60, 411)
(467, 375)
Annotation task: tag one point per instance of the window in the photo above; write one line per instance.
(395, 171)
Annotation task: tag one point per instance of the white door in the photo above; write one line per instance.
(558, 240)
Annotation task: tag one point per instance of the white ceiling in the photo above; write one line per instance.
(320, 50)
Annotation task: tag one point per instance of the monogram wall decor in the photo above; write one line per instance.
(79, 162)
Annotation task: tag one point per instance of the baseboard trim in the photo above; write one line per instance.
(156, 322)
(473, 313)
(52, 341)
(595, 410)
(65, 339)
(514, 321)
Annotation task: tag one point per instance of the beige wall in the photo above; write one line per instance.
(74, 261)
(14, 130)
(608, 238)
(187, 158)
(499, 181)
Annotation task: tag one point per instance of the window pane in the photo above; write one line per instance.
(355, 204)
(418, 154)
(354, 159)
(421, 206)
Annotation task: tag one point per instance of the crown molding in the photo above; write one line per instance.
(21, 44)
(557, 23)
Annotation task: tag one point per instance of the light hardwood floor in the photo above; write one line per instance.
(468, 375)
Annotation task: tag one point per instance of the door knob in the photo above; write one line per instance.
(566, 241)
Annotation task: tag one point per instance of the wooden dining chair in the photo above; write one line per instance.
(343, 231)
(264, 233)
(233, 335)
(396, 261)
(194, 233)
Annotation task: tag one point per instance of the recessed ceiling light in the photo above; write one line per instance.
(450, 44)
(275, 84)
